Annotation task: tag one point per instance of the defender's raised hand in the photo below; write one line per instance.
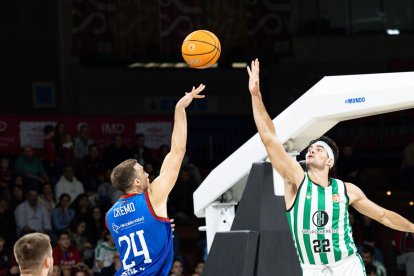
(189, 96)
(254, 81)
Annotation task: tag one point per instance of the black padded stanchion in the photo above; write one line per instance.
(232, 254)
(261, 211)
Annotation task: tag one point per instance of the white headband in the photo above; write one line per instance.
(327, 148)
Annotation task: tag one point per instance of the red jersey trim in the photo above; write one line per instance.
(128, 195)
(152, 210)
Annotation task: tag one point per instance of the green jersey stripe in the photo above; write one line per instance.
(295, 227)
(306, 221)
(321, 237)
(335, 221)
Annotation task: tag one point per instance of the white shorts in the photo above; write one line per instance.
(350, 266)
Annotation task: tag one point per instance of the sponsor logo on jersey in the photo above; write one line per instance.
(115, 227)
(123, 210)
(336, 198)
(320, 218)
(320, 231)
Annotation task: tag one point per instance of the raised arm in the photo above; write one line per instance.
(288, 168)
(362, 204)
(163, 184)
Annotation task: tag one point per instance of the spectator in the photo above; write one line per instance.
(7, 218)
(5, 258)
(47, 198)
(31, 216)
(82, 142)
(82, 207)
(96, 225)
(81, 241)
(349, 165)
(32, 170)
(181, 198)
(369, 231)
(52, 163)
(105, 252)
(177, 268)
(62, 215)
(368, 258)
(60, 132)
(199, 268)
(404, 243)
(140, 152)
(68, 155)
(371, 270)
(115, 153)
(6, 177)
(17, 197)
(67, 257)
(105, 189)
(68, 184)
(90, 167)
(163, 150)
(194, 171)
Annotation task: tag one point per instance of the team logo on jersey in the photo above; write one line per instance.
(336, 198)
(320, 218)
(308, 196)
(115, 227)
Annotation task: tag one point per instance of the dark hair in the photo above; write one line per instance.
(331, 143)
(48, 129)
(63, 232)
(369, 249)
(64, 195)
(124, 174)
(139, 135)
(370, 268)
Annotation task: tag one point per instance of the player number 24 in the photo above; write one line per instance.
(130, 241)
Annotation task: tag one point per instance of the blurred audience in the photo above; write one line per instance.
(82, 142)
(404, 243)
(31, 216)
(69, 184)
(31, 168)
(90, 168)
(140, 151)
(105, 255)
(62, 215)
(115, 153)
(368, 258)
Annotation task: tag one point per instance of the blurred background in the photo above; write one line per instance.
(108, 70)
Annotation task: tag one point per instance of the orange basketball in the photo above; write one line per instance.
(201, 49)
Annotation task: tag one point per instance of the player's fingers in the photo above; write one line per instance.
(249, 71)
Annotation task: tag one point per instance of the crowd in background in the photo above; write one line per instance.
(64, 190)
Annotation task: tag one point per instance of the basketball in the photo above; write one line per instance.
(201, 49)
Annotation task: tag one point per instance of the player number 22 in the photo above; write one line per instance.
(321, 246)
(130, 241)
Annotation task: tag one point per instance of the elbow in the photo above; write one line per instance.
(268, 138)
(178, 150)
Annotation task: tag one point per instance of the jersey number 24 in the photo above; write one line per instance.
(130, 241)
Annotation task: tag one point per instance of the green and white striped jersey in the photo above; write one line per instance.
(319, 223)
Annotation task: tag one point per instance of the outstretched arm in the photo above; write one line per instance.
(163, 184)
(362, 204)
(288, 168)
